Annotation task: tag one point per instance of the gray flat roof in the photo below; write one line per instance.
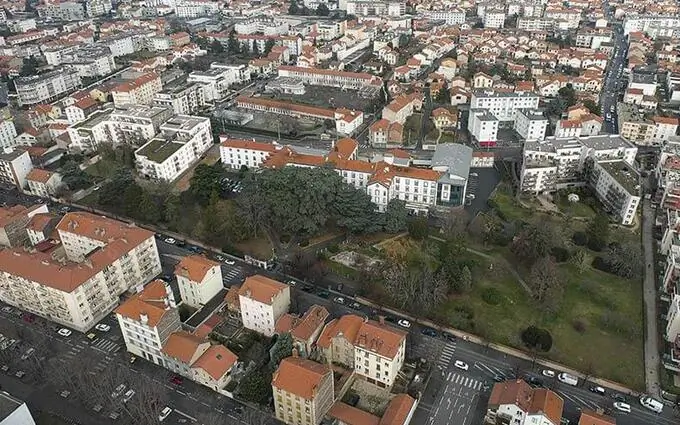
(8, 405)
(455, 157)
(606, 141)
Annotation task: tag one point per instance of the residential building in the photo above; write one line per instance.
(103, 259)
(14, 411)
(46, 87)
(531, 124)
(518, 403)
(182, 141)
(635, 126)
(483, 125)
(330, 78)
(673, 319)
(401, 107)
(86, 136)
(199, 279)
(140, 91)
(95, 8)
(536, 24)
(494, 19)
(336, 341)
(616, 185)
(15, 164)
(590, 417)
(385, 134)
(236, 153)
(379, 352)
(147, 319)
(63, 11)
(399, 411)
(652, 25)
(450, 16)
(304, 330)
(503, 105)
(135, 124)
(41, 227)
(568, 129)
(43, 183)
(7, 132)
(196, 8)
(263, 301)
(183, 98)
(375, 8)
(303, 391)
(443, 118)
(13, 222)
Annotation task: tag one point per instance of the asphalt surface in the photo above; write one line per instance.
(613, 81)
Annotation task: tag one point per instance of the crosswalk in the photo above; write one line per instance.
(233, 273)
(447, 355)
(106, 345)
(464, 381)
(74, 351)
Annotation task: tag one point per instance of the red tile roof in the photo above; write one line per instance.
(397, 410)
(149, 302)
(216, 361)
(195, 267)
(351, 415)
(262, 289)
(301, 377)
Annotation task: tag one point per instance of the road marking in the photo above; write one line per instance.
(180, 392)
(448, 378)
(186, 415)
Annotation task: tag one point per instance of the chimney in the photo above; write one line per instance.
(381, 320)
(295, 352)
(143, 318)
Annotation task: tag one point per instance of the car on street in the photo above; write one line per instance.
(177, 380)
(28, 317)
(164, 413)
(133, 359)
(355, 306)
(449, 337)
(597, 390)
(474, 174)
(429, 332)
(4, 368)
(7, 309)
(97, 408)
(128, 395)
(339, 300)
(103, 327)
(20, 374)
(91, 336)
(28, 353)
(549, 373)
(323, 294)
(118, 391)
(307, 287)
(404, 323)
(292, 283)
(461, 365)
(622, 407)
(219, 258)
(229, 262)
(171, 241)
(534, 381)
(114, 415)
(499, 378)
(64, 332)
(65, 394)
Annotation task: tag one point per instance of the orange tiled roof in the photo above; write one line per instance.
(299, 376)
(346, 326)
(38, 222)
(548, 403)
(195, 267)
(134, 84)
(666, 120)
(216, 361)
(151, 302)
(351, 415)
(589, 417)
(312, 320)
(378, 338)
(182, 346)
(397, 410)
(261, 289)
(39, 175)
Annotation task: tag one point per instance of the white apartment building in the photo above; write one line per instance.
(483, 125)
(330, 77)
(236, 153)
(43, 183)
(13, 223)
(86, 135)
(199, 280)
(46, 87)
(494, 19)
(533, 24)
(64, 11)
(147, 319)
(135, 124)
(673, 320)
(503, 105)
(15, 411)
(568, 129)
(262, 25)
(184, 99)
(120, 45)
(196, 8)
(654, 26)
(182, 141)
(373, 7)
(15, 164)
(303, 391)
(95, 8)
(451, 16)
(103, 259)
(593, 39)
(262, 302)
(617, 186)
(140, 91)
(379, 353)
(214, 83)
(7, 133)
(530, 124)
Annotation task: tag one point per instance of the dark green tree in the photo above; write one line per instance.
(322, 10)
(568, 94)
(75, 178)
(216, 47)
(418, 228)
(592, 106)
(598, 232)
(443, 96)
(233, 46)
(148, 209)
(293, 9)
(29, 67)
(113, 192)
(256, 386)
(395, 216)
(355, 211)
(172, 209)
(269, 45)
(206, 181)
(533, 242)
(132, 197)
(282, 348)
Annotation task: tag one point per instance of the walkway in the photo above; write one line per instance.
(649, 292)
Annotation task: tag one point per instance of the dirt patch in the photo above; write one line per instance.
(355, 260)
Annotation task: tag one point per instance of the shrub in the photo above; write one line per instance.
(580, 238)
(601, 264)
(334, 249)
(537, 338)
(596, 244)
(492, 296)
(561, 254)
(579, 326)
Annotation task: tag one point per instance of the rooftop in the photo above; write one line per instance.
(152, 303)
(300, 376)
(93, 120)
(455, 157)
(261, 288)
(195, 267)
(158, 150)
(8, 405)
(624, 175)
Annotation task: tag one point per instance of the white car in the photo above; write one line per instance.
(461, 365)
(229, 262)
(128, 395)
(404, 323)
(622, 407)
(103, 327)
(339, 300)
(292, 282)
(64, 332)
(549, 373)
(164, 413)
(171, 241)
(118, 391)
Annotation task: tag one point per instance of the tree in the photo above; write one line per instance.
(580, 260)
(293, 9)
(147, 209)
(592, 106)
(465, 279)
(282, 348)
(598, 232)
(172, 209)
(533, 242)
(322, 10)
(395, 216)
(418, 228)
(556, 107)
(216, 47)
(354, 210)
(414, 284)
(255, 386)
(112, 193)
(268, 46)
(543, 278)
(568, 94)
(537, 338)
(625, 259)
(233, 46)
(455, 224)
(206, 181)
(443, 96)
(75, 178)
(29, 67)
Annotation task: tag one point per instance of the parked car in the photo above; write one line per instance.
(568, 379)
(307, 287)
(164, 413)
(292, 283)
(499, 378)
(7, 309)
(128, 395)
(597, 390)
(620, 397)
(534, 381)
(28, 353)
(449, 337)
(118, 391)
(404, 323)
(171, 241)
(97, 408)
(461, 365)
(355, 306)
(323, 294)
(114, 415)
(652, 404)
(20, 374)
(64, 332)
(229, 262)
(339, 300)
(429, 332)
(91, 336)
(133, 359)
(177, 380)
(103, 327)
(549, 373)
(65, 393)
(622, 407)
(4, 368)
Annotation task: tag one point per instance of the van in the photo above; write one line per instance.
(651, 404)
(568, 379)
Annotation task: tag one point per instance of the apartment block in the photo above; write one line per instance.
(502, 105)
(147, 319)
(216, 81)
(518, 403)
(645, 130)
(494, 19)
(182, 98)
(672, 330)
(43, 183)
(13, 223)
(652, 25)
(304, 330)
(330, 78)
(46, 87)
(336, 342)
(15, 164)
(199, 280)
(135, 124)
(451, 17)
(263, 301)
(483, 125)
(534, 24)
(375, 8)
(616, 185)
(64, 11)
(530, 124)
(7, 132)
(196, 8)
(181, 142)
(303, 391)
(102, 259)
(236, 153)
(379, 353)
(14, 411)
(140, 91)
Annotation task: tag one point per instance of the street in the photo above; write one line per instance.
(613, 80)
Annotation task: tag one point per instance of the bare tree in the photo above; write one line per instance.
(148, 400)
(254, 417)
(544, 277)
(455, 223)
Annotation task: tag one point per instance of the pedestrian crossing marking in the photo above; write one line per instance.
(464, 381)
(446, 355)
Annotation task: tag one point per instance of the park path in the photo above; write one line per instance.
(649, 294)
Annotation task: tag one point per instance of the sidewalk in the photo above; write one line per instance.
(649, 293)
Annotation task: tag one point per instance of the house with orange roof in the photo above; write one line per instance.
(336, 341)
(399, 411)
(263, 301)
(519, 403)
(147, 320)
(382, 349)
(41, 227)
(400, 108)
(199, 279)
(13, 222)
(566, 129)
(385, 134)
(591, 417)
(304, 330)
(43, 183)
(140, 91)
(443, 118)
(303, 391)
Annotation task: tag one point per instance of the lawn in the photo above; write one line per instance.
(574, 209)
(102, 169)
(447, 137)
(260, 248)
(506, 206)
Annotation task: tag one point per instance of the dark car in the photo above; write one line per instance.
(177, 380)
(534, 381)
(307, 287)
(620, 397)
(449, 337)
(194, 249)
(323, 294)
(429, 332)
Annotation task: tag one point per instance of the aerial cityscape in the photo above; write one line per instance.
(339, 212)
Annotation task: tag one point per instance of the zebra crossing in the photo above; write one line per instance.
(446, 356)
(106, 345)
(232, 274)
(464, 381)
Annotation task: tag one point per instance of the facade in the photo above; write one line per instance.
(330, 78)
(196, 8)
(379, 352)
(147, 320)
(483, 125)
(199, 280)
(673, 320)
(616, 185)
(303, 391)
(336, 342)
(181, 142)
(47, 87)
(13, 223)
(531, 124)
(140, 91)
(135, 124)
(15, 164)
(304, 330)
(375, 8)
(184, 99)
(503, 105)
(263, 301)
(103, 259)
(43, 183)
(7, 132)
(494, 19)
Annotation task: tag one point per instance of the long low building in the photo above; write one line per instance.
(329, 77)
(443, 185)
(78, 279)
